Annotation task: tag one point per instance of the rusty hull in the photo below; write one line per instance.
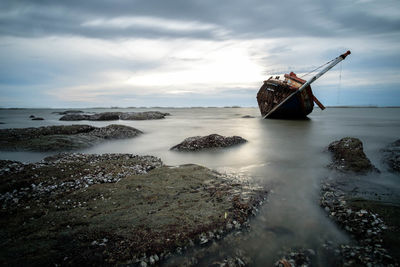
(275, 91)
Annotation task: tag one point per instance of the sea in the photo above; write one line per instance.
(287, 157)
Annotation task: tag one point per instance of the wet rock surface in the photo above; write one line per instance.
(210, 141)
(369, 214)
(148, 115)
(71, 111)
(22, 182)
(392, 156)
(298, 257)
(63, 137)
(110, 209)
(110, 116)
(34, 118)
(221, 247)
(364, 226)
(348, 155)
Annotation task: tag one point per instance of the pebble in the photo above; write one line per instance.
(134, 165)
(364, 226)
(203, 239)
(152, 261)
(296, 257)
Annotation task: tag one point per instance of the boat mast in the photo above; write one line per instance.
(322, 72)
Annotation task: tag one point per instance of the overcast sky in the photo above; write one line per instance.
(194, 52)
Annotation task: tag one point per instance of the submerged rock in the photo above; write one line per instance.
(348, 155)
(62, 137)
(247, 117)
(37, 119)
(109, 116)
(392, 156)
(210, 141)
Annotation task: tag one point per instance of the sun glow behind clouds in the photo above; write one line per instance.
(214, 63)
(94, 71)
(89, 70)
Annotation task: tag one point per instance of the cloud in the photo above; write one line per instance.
(199, 19)
(86, 52)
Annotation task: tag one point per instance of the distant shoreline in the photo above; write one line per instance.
(65, 108)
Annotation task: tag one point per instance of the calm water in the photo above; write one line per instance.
(285, 156)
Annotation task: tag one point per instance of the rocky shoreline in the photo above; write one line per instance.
(373, 224)
(74, 209)
(392, 156)
(371, 221)
(62, 137)
(111, 116)
(129, 210)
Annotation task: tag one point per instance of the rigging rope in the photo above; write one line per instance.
(340, 83)
(317, 68)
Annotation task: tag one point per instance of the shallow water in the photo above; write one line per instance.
(285, 156)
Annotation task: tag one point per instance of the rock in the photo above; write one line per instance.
(75, 117)
(62, 138)
(32, 116)
(109, 220)
(106, 116)
(348, 155)
(247, 117)
(357, 217)
(115, 131)
(109, 116)
(310, 252)
(209, 141)
(295, 258)
(37, 119)
(391, 156)
(148, 115)
(68, 112)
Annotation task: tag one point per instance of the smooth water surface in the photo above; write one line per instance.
(287, 157)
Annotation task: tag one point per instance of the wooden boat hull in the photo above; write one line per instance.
(273, 92)
(291, 98)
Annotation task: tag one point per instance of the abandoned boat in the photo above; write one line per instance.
(291, 97)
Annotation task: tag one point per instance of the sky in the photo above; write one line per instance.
(133, 53)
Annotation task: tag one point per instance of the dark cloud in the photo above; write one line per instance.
(242, 19)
